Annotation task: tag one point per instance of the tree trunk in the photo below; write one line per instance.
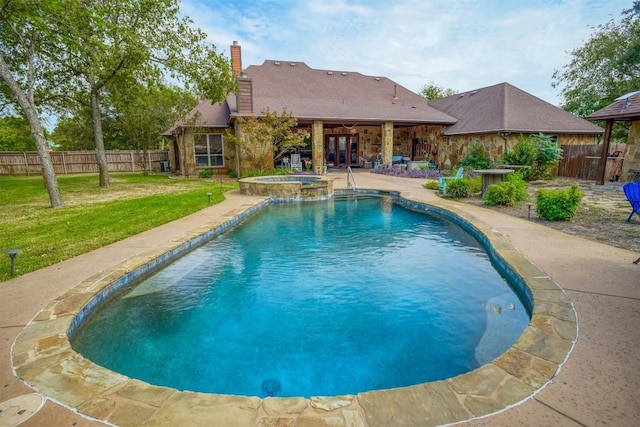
(28, 107)
(97, 134)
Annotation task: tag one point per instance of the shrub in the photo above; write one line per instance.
(476, 159)
(548, 154)
(205, 173)
(523, 153)
(458, 188)
(475, 183)
(558, 205)
(520, 184)
(501, 194)
(431, 185)
(539, 151)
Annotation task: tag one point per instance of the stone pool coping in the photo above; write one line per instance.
(42, 356)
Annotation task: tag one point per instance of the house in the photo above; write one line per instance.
(495, 116)
(353, 118)
(625, 108)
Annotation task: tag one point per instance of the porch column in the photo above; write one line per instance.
(387, 143)
(317, 146)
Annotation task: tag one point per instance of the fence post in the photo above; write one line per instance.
(132, 161)
(149, 156)
(26, 163)
(64, 163)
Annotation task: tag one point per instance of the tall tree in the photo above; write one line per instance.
(147, 110)
(266, 139)
(15, 134)
(434, 91)
(606, 67)
(105, 43)
(22, 27)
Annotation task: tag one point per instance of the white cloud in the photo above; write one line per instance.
(462, 45)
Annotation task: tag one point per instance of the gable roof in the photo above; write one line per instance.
(337, 96)
(505, 108)
(205, 114)
(626, 107)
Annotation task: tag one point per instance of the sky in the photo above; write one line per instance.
(457, 44)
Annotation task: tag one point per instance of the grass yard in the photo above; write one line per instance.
(92, 216)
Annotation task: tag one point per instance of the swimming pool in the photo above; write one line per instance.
(342, 279)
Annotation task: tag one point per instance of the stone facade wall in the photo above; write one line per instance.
(455, 148)
(429, 136)
(446, 152)
(578, 139)
(632, 153)
(186, 154)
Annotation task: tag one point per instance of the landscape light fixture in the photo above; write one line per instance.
(12, 254)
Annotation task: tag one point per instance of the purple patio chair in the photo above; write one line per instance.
(632, 191)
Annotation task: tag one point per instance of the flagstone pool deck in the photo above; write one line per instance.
(564, 371)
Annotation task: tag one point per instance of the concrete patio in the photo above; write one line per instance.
(595, 386)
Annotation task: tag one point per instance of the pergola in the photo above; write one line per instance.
(625, 108)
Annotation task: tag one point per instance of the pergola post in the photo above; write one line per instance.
(602, 166)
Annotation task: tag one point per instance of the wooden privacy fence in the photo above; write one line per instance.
(581, 161)
(67, 162)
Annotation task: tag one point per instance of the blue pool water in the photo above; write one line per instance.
(313, 299)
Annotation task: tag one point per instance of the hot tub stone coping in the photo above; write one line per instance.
(42, 356)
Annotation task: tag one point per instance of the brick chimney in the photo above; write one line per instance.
(236, 58)
(244, 98)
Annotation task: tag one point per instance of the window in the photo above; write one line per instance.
(208, 148)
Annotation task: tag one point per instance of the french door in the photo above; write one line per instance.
(341, 150)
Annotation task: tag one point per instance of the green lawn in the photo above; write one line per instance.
(92, 216)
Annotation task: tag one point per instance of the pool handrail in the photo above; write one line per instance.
(351, 180)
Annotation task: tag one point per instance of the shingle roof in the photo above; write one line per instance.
(505, 108)
(208, 115)
(337, 95)
(627, 107)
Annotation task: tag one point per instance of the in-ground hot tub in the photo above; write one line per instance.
(288, 187)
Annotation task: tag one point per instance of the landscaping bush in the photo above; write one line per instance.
(205, 173)
(501, 194)
(520, 184)
(523, 153)
(476, 159)
(558, 205)
(475, 183)
(431, 185)
(540, 152)
(459, 188)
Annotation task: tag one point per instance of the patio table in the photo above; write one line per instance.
(492, 176)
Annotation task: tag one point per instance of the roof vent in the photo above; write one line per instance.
(330, 73)
(276, 63)
(343, 73)
(474, 92)
(377, 79)
(461, 95)
(293, 64)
